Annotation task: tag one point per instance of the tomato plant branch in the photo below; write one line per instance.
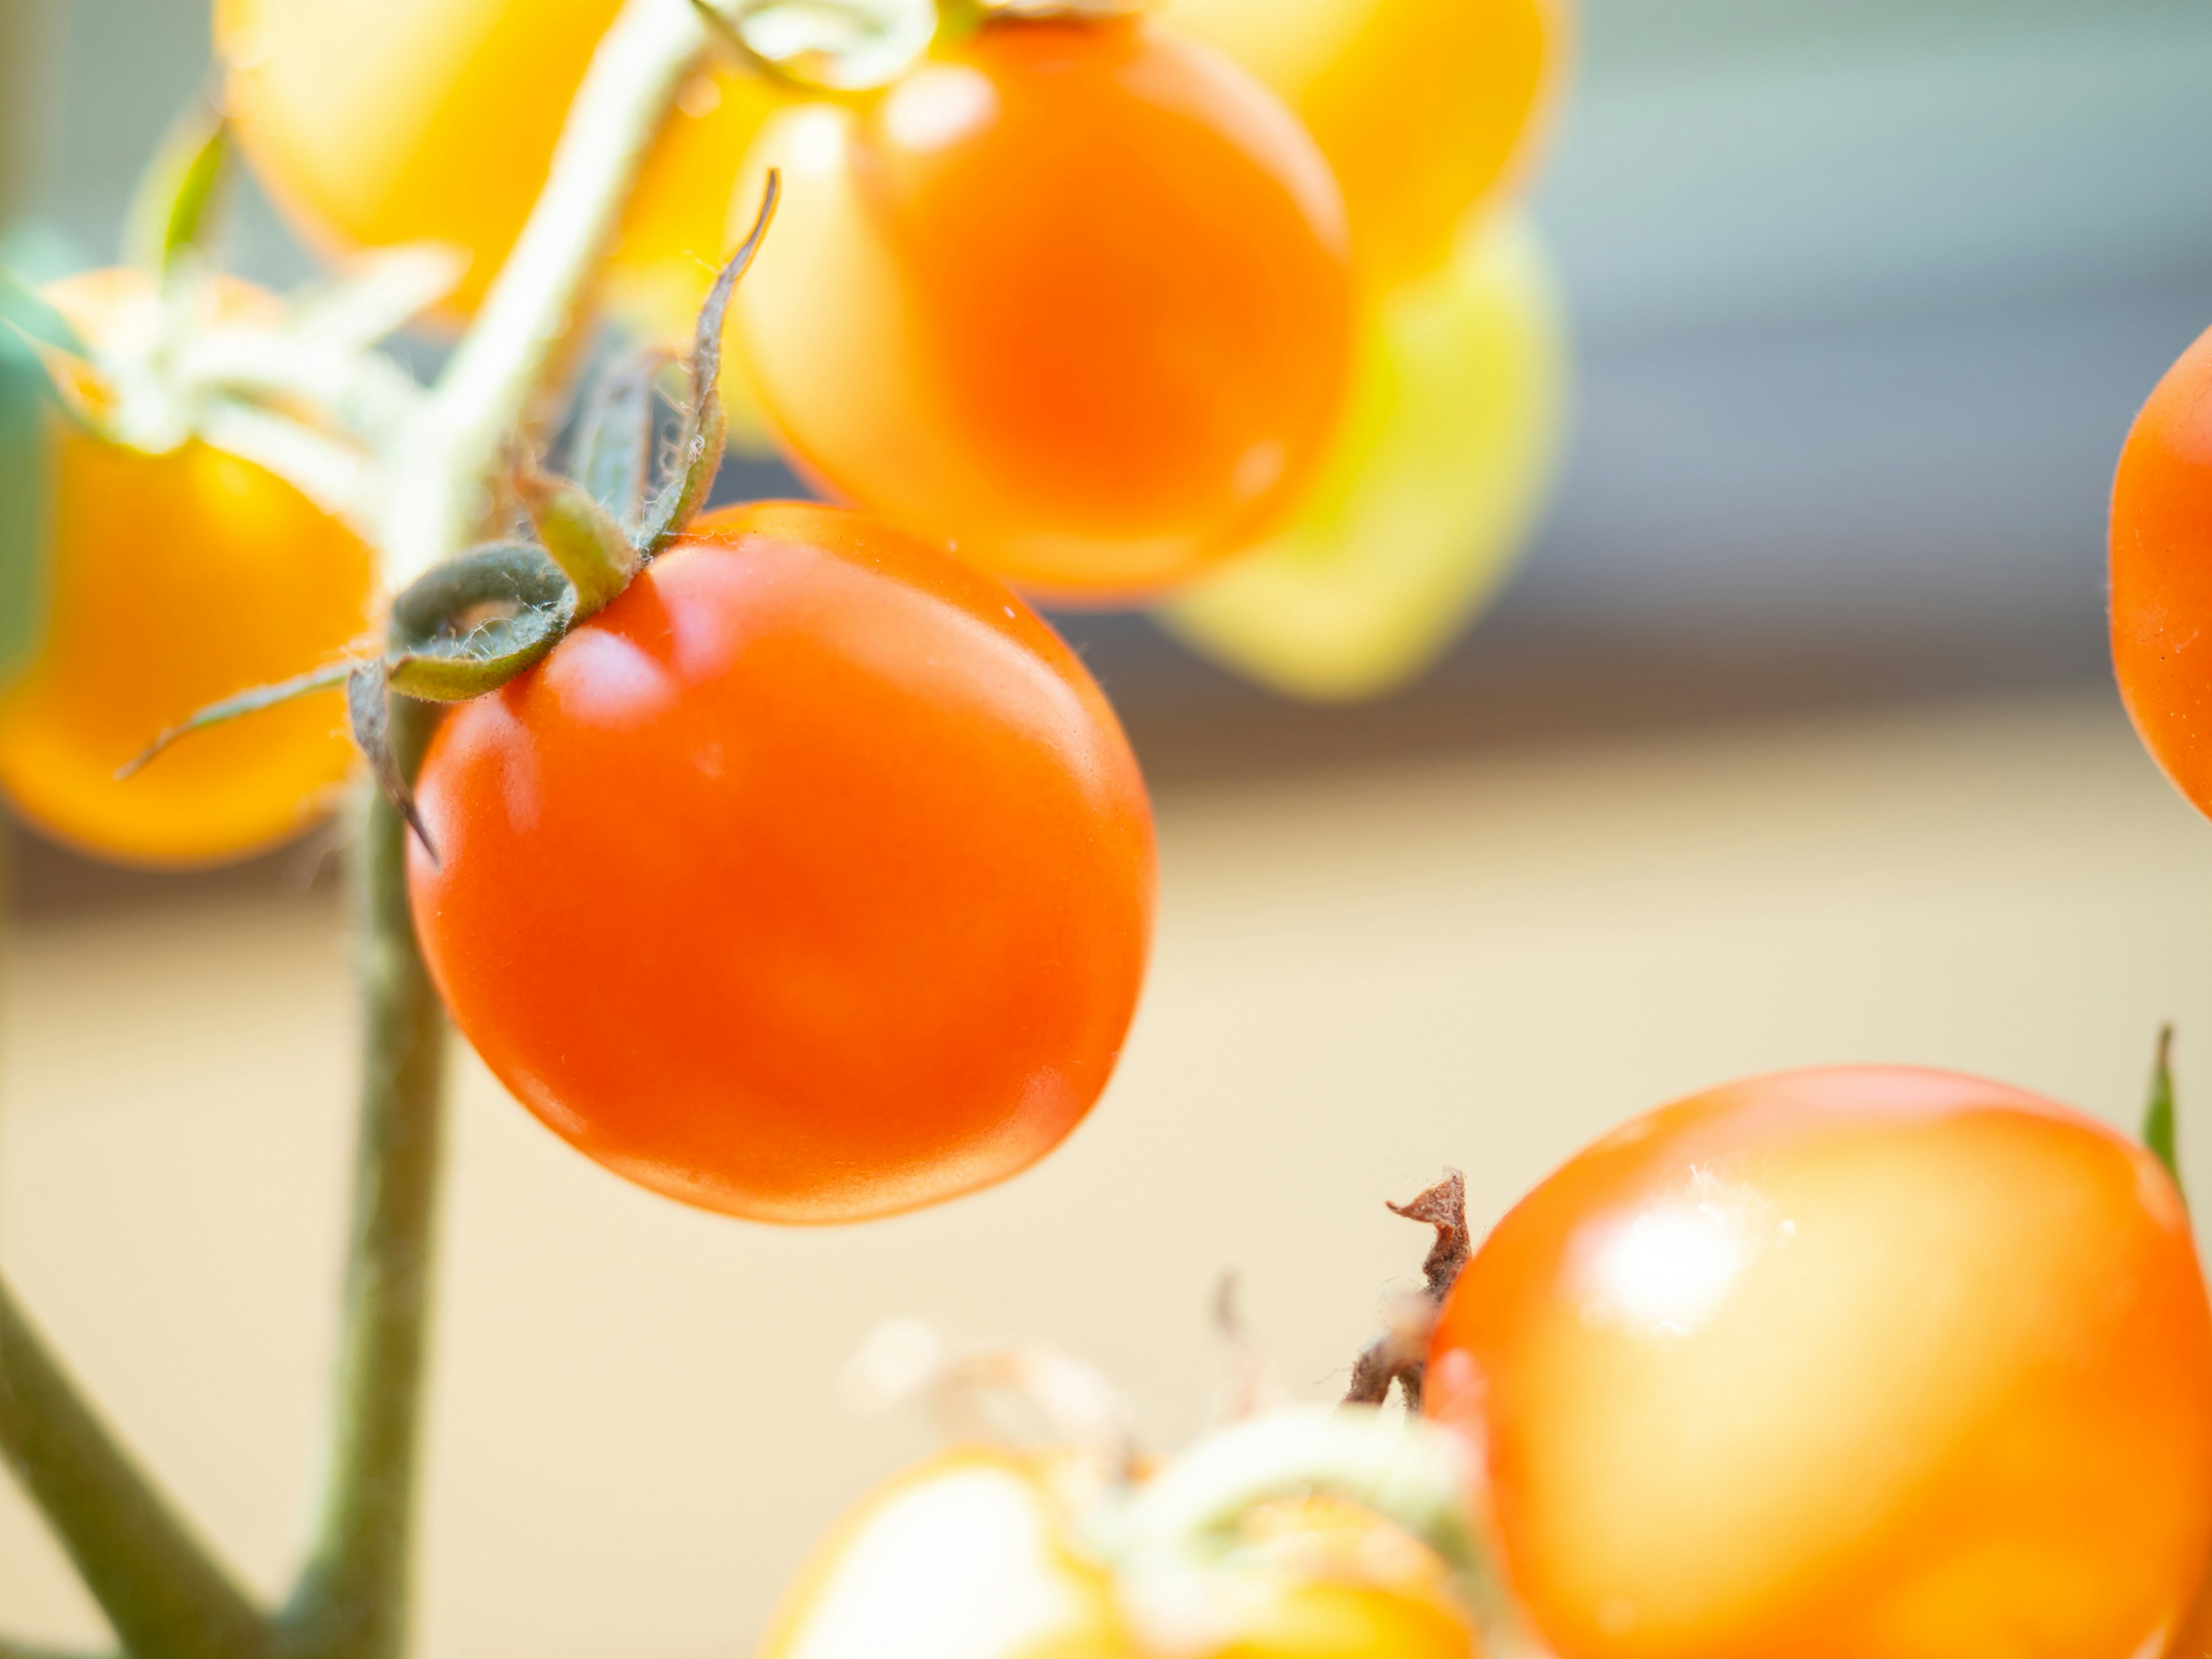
(352, 1599)
(439, 496)
(163, 1594)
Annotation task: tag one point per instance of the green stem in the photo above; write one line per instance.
(352, 1601)
(161, 1591)
(19, 1651)
(438, 499)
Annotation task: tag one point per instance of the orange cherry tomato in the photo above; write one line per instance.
(811, 880)
(380, 121)
(2161, 558)
(1071, 297)
(1839, 1364)
(1423, 107)
(176, 580)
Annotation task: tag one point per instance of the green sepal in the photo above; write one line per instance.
(2158, 1125)
(172, 210)
(611, 453)
(252, 701)
(705, 428)
(582, 536)
(440, 651)
(823, 45)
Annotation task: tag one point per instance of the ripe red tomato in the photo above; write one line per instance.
(2161, 553)
(811, 880)
(1856, 1362)
(1073, 297)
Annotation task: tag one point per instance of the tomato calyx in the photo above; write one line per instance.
(2157, 1137)
(1178, 1536)
(1400, 1354)
(471, 624)
(846, 47)
(180, 351)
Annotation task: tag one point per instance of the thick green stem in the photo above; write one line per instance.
(161, 1591)
(352, 1601)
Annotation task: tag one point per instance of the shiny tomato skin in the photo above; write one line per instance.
(176, 580)
(810, 881)
(1849, 1363)
(2161, 574)
(1073, 298)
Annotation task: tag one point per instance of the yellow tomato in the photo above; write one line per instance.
(379, 122)
(1343, 1584)
(967, 1556)
(962, 1557)
(1423, 107)
(1855, 1364)
(177, 579)
(1450, 444)
(2194, 1641)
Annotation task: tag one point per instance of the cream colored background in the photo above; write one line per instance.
(1360, 977)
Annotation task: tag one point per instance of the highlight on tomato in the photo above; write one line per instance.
(177, 569)
(1449, 450)
(2161, 574)
(811, 880)
(1842, 1362)
(1426, 109)
(1070, 295)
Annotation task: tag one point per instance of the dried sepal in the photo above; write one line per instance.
(368, 705)
(174, 211)
(825, 45)
(581, 535)
(700, 437)
(246, 702)
(472, 623)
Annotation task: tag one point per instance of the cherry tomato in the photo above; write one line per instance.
(1852, 1361)
(2162, 552)
(381, 122)
(2194, 1641)
(971, 1555)
(177, 579)
(1423, 107)
(1452, 439)
(811, 880)
(962, 1557)
(1071, 297)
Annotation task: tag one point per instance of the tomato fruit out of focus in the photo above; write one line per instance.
(964, 1556)
(375, 123)
(1450, 447)
(1852, 1361)
(1425, 108)
(1071, 297)
(2161, 574)
(812, 880)
(176, 580)
(969, 1555)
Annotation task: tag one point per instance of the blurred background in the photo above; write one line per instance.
(1793, 743)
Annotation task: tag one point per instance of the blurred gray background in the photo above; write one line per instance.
(1865, 296)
